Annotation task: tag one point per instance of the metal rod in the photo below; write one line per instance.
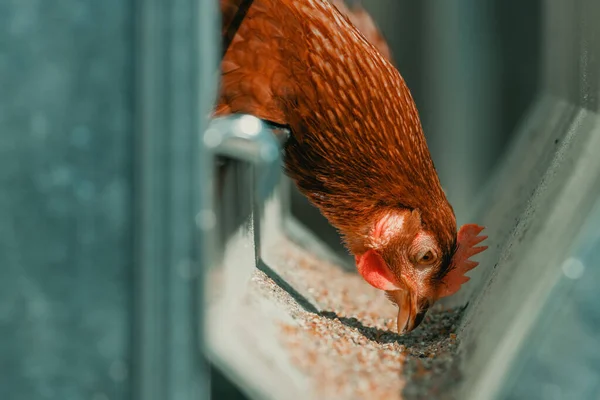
(173, 84)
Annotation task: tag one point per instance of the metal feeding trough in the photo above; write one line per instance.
(289, 322)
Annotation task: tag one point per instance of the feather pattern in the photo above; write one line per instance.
(357, 145)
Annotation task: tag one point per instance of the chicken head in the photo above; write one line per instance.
(400, 256)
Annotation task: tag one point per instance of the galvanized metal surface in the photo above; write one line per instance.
(82, 196)
(172, 67)
(241, 213)
(240, 170)
(66, 179)
(561, 356)
(536, 204)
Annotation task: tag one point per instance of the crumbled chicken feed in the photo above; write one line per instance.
(349, 348)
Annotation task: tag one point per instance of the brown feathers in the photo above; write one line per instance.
(357, 145)
(364, 23)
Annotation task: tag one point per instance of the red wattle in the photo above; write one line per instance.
(374, 270)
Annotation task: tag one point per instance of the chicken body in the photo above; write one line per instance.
(357, 149)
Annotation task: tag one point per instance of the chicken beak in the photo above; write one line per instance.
(411, 311)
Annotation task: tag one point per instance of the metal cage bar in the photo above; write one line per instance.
(176, 62)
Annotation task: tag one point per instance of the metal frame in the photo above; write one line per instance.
(536, 204)
(248, 140)
(177, 150)
(176, 62)
(244, 210)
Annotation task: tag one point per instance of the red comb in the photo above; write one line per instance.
(467, 240)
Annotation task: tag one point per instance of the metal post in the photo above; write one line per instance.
(176, 65)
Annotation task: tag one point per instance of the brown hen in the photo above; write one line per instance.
(357, 148)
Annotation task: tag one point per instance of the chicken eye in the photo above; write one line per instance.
(427, 258)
